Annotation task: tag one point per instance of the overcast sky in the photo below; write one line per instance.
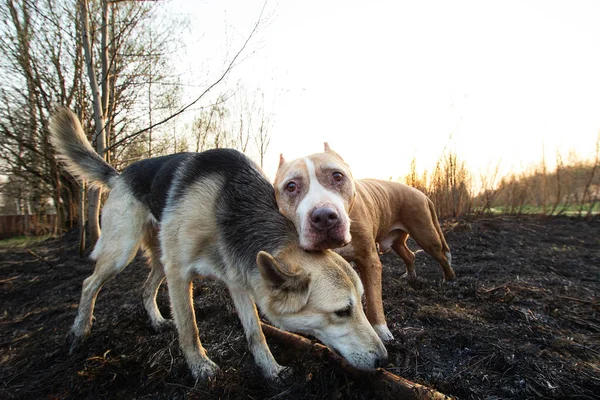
(385, 81)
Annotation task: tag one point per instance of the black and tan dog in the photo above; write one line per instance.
(214, 214)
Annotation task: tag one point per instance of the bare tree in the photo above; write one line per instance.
(558, 178)
(45, 47)
(489, 189)
(39, 67)
(588, 196)
(210, 128)
(98, 102)
(263, 137)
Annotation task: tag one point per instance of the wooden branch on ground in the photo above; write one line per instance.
(400, 387)
(42, 259)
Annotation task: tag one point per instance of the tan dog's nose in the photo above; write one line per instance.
(323, 218)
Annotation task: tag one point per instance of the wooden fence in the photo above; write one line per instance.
(26, 225)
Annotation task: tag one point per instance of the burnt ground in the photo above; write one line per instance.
(523, 321)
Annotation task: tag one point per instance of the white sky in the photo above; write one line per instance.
(383, 81)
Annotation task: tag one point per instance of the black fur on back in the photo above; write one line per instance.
(247, 214)
(151, 179)
(246, 211)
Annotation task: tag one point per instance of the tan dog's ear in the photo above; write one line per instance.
(281, 159)
(288, 289)
(328, 150)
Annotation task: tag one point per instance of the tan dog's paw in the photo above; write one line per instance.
(450, 282)
(383, 332)
(408, 276)
(450, 279)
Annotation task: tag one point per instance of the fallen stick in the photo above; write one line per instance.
(9, 279)
(394, 384)
(593, 303)
(42, 259)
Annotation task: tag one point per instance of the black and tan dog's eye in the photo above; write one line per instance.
(291, 187)
(344, 312)
(337, 176)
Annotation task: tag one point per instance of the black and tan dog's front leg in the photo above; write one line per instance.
(369, 267)
(246, 310)
(180, 293)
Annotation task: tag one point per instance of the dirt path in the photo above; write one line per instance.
(523, 321)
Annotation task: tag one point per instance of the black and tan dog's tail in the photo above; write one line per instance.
(76, 152)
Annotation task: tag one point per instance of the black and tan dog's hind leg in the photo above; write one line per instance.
(156, 276)
(126, 224)
(121, 238)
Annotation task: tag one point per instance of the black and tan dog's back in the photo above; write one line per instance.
(214, 214)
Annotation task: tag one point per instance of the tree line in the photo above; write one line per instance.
(572, 187)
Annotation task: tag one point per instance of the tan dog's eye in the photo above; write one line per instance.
(291, 187)
(337, 176)
(344, 312)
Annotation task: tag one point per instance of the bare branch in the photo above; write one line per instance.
(396, 385)
(228, 69)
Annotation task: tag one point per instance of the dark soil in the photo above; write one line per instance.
(523, 321)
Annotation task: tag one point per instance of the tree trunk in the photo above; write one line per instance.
(94, 195)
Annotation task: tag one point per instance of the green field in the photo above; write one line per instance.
(22, 241)
(572, 210)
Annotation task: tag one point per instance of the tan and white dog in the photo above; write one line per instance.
(331, 210)
(214, 214)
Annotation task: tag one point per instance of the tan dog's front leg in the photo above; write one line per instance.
(180, 292)
(246, 310)
(370, 268)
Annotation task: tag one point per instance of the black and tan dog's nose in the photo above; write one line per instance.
(324, 217)
(381, 362)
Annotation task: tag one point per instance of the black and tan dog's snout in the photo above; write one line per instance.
(372, 360)
(381, 361)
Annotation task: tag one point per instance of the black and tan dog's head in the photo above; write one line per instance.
(318, 293)
(316, 193)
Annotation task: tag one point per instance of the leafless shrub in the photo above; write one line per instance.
(449, 187)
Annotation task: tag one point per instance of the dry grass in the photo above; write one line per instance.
(572, 188)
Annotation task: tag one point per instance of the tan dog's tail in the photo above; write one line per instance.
(75, 150)
(438, 229)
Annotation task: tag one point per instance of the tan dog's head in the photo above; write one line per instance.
(315, 193)
(319, 294)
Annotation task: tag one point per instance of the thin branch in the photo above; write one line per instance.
(223, 75)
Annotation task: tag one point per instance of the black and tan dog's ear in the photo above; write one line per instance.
(279, 277)
(270, 270)
(281, 159)
(288, 289)
(326, 146)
